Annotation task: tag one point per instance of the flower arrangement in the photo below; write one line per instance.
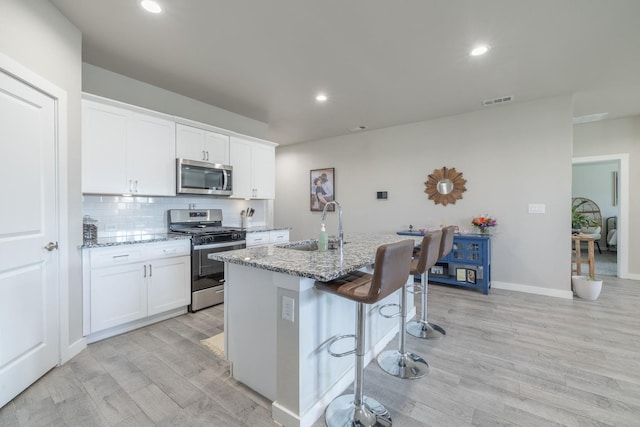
(483, 223)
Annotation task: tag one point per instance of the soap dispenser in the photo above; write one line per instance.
(323, 240)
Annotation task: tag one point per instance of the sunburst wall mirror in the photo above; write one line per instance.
(445, 186)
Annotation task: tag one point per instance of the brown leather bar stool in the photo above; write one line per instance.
(401, 363)
(422, 328)
(391, 270)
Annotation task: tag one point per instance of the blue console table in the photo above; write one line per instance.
(468, 264)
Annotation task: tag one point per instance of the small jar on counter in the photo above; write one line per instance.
(89, 230)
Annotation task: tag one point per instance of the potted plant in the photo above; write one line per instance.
(587, 287)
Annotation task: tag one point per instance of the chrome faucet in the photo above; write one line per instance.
(324, 214)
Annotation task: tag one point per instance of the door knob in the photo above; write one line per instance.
(51, 246)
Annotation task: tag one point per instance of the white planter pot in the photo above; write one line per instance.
(585, 288)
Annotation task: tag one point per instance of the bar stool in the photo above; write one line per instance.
(422, 328)
(391, 270)
(400, 363)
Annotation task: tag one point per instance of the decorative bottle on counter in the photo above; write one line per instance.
(323, 240)
(89, 230)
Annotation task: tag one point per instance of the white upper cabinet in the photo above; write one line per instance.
(104, 148)
(202, 145)
(130, 150)
(125, 151)
(253, 169)
(151, 156)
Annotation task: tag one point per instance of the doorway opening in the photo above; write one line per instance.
(604, 179)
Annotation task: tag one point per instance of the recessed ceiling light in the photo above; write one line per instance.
(321, 97)
(151, 6)
(479, 50)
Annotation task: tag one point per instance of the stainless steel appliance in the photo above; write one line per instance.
(207, 236)
(193, 177)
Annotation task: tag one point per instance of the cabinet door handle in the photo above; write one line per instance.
(203, 157)
(135, 186)
(145, 270)
(150, 271)
(130, 186)
(207, 156)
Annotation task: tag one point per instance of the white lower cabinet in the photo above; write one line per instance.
(257, 238)
(118, 295)
(278, 236)
(163, 294)
(130, 283)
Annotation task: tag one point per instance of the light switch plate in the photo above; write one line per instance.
(288, 308)
(537, 208)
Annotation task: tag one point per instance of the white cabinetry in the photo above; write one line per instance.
(202, 145)
(257, 238)
(128, 283)
(253, 169)
(127, 150)
(278, 236)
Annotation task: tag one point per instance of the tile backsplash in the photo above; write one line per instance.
(120, 215)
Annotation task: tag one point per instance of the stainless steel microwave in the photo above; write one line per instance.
(195, 177)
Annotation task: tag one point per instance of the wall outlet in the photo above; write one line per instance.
(288, 308)
(536, 208)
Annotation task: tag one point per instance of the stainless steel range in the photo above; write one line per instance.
(207, 236)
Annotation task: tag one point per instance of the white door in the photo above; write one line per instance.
(29, 333)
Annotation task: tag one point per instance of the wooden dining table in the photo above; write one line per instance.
(576, 256)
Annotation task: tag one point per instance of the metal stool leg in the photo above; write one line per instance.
(356, 409)
(401, 363)
(422, 328)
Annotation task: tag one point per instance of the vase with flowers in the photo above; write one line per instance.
(484, 223)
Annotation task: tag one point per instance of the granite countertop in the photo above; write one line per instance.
(259, 228)
(359, 251)
(130, 239)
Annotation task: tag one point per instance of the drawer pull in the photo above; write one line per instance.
(121, 256)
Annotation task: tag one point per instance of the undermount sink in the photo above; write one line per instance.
(308, 245)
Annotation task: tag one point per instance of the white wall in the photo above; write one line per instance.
(510, 155)
(99, 81)
(36, 35)
(610, 137)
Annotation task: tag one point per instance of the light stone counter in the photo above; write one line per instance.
(131, 239)
(359, 251)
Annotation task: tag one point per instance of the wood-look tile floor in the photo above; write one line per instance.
(508, 359)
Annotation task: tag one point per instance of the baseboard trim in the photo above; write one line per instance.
(136, 324)
(528, 289)
(73, 350)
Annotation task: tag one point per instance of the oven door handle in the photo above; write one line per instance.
(220, 245)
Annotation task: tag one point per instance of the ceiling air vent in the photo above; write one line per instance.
(497, 101)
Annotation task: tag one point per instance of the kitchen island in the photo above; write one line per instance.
(277, 325)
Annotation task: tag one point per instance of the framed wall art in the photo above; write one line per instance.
(322, 189)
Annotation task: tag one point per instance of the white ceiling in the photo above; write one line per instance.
(381, 62)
